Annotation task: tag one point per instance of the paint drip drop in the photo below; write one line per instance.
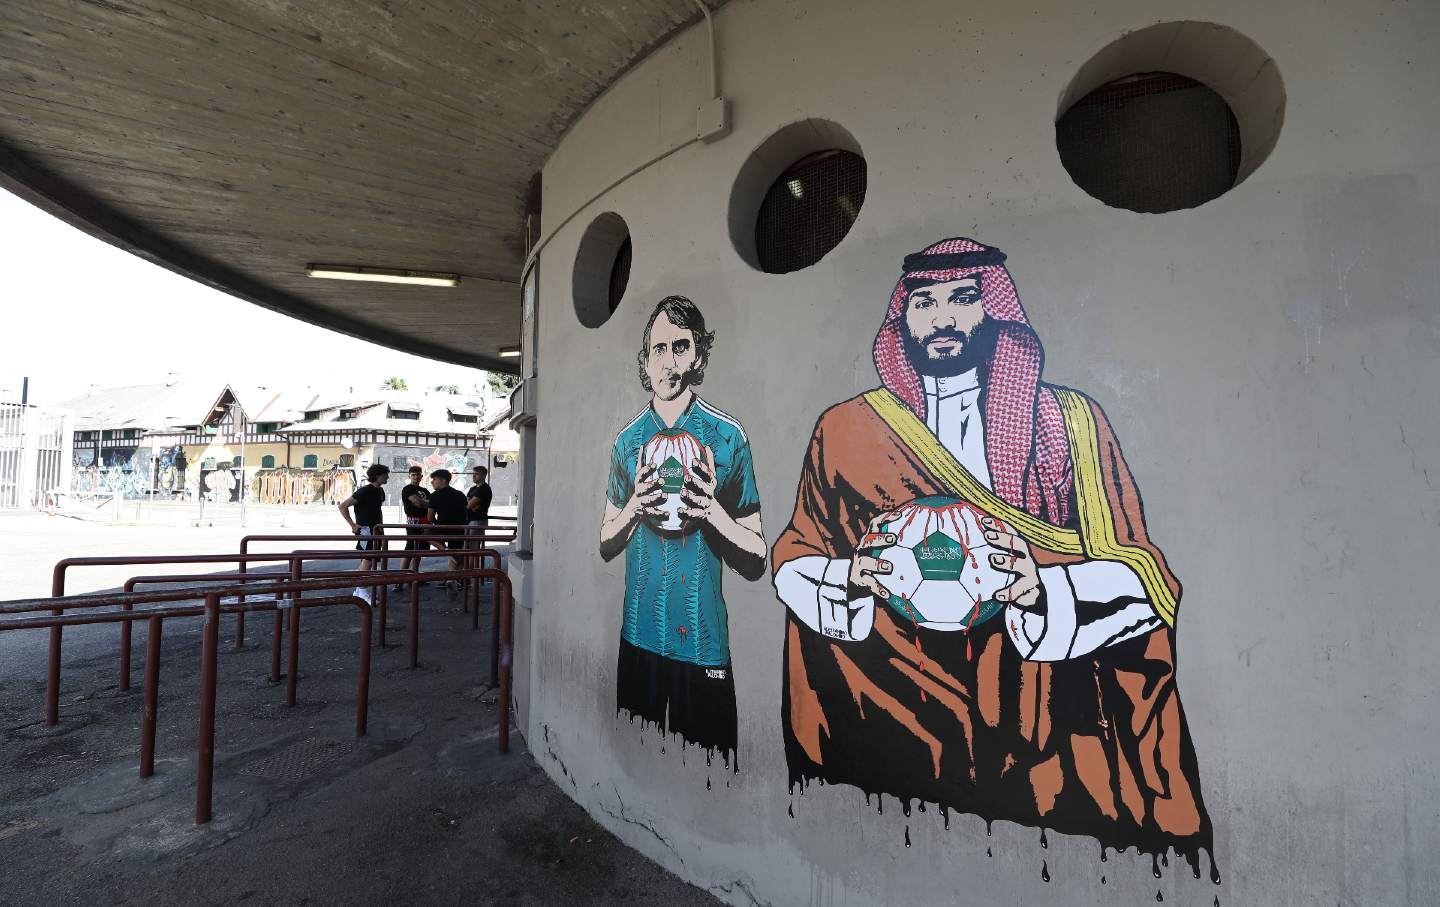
(1155, 865)
(1217, 900)
(1044, 870)
(907, 836)
(1165, 858)
(1158, 895)
(988, 853)
(707, 783)
(1103, 857)
(988, 830)
(1214, 872)
(792, 810)
(1044, 842)
(1102, 880)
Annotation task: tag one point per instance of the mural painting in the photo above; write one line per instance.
(221, 484)
(288, 485)
(682, 505)
(170, 468)
(977, 617)
(455, 461)
(129, 472)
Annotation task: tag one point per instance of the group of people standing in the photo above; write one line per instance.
(443, 510)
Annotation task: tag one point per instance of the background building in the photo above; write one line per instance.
(114, 440)
(298, 446)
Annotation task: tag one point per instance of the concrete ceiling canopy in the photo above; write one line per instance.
(235, 143)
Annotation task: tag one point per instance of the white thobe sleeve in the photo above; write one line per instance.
(1088, 606)
(816, 589)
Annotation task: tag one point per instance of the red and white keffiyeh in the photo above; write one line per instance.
(1025, 442)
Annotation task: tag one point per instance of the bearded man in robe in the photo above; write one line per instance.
(1055, 704)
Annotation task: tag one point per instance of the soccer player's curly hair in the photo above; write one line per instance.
(685, 315)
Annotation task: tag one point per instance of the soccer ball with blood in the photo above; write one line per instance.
(672, 451)
(941, 575)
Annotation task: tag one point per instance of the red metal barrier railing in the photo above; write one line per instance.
(383, 556)
(471, 533)
(212, 609)
(193, 580)
(295, 562)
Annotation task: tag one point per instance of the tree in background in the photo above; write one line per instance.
(502, 385)
(394, 384)
(446, 388)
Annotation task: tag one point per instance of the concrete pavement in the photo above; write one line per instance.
(421, 811)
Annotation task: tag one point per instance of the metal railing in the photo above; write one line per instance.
(473, 536)
(285, 594)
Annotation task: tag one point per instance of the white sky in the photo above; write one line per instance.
(76, 312)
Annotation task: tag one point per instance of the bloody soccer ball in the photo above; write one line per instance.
(672, 451)
(941, 574)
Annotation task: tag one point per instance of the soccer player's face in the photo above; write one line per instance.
(942, 317)
(670, 358)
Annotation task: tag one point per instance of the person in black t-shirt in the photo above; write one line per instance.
(449, 513)
(415, 500)
(477, 501)
(367, 501)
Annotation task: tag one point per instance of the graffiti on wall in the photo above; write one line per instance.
(130, 472)
(170, 469)
(458, 461)
(453, 460)
(682, 505)
(287, 485)
(977, 616)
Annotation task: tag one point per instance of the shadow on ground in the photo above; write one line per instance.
(422, 810)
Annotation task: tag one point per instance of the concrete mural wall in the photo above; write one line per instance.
(1268, 360)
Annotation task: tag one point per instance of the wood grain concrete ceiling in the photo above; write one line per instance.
(237, 141)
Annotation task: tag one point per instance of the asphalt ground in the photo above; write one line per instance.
(423, 810)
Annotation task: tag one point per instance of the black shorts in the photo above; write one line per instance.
(416, 528)
(369, 539)
(455, 544)
(694, 701)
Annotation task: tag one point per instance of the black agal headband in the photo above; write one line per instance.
(953, 261)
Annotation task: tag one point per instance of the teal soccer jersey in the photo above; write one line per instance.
(673, 603)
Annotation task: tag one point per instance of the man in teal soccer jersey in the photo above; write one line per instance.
(682, 505)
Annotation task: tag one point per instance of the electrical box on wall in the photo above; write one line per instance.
(523, 410)
(713, 120)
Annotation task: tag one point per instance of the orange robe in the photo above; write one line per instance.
(1096, 745)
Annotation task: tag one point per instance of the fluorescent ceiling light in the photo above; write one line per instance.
(509, 352)
(383, 275)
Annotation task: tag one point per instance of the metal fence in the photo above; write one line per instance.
(35, 455)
